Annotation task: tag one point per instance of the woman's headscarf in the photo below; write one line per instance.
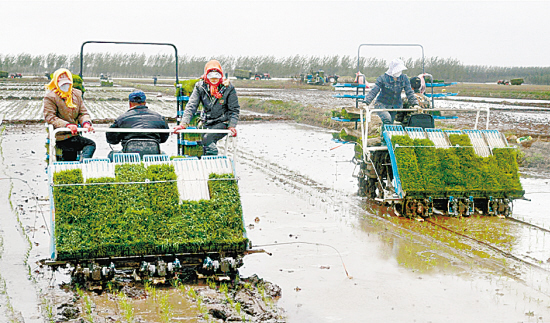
(423, 82)
(54, 86)
(213, 65)
(396, 67)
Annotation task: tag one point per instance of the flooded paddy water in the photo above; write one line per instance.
(335, 256)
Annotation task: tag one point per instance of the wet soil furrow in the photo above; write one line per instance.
(13, 264)
(490, 246)
(528, 224)
(317, 194)
(459, 253)
(324, 198)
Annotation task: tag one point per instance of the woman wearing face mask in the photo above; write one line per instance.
(390, 85)
(64, 108)
(220, 102)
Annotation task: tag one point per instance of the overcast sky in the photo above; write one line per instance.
(499, 33)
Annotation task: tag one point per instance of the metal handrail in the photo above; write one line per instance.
(359, 51)
(368, 112)
(53, 132)
(125, 43)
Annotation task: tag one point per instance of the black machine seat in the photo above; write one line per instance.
(422, 120)
(142, 146)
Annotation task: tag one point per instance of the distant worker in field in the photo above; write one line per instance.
(220, 102)
(390, 85)
(64, 108)
(360, 78)
(138, 116)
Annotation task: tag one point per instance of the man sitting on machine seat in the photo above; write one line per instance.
(139, 116)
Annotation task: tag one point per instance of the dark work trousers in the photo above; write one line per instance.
(71, 146)
(209, 140)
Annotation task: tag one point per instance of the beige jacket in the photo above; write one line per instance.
(59, 115)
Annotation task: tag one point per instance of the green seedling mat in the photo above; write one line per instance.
(456, 171)
(104, 219)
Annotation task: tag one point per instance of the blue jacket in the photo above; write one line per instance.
(138, 117)
(390, 91)
(225, 110)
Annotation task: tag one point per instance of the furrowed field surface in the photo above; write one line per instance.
(23, 101)
(299, 200)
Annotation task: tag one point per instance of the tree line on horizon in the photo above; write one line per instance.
(141, 65)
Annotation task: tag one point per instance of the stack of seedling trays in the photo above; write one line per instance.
(191, 143)
(348, 114)
(140, 211)
(425, 169)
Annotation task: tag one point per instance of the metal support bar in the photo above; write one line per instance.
(131, 43)
(391, 45)
(368, 112)
(125, 43)
(53, 132)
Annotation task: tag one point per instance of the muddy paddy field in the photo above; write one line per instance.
(331, 256)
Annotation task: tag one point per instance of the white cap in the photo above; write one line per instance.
(214, 74)
(396, 67)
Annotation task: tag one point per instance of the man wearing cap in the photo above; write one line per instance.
(64, 108)
(220, 102)
(141, 117)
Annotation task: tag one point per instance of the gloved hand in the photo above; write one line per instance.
(180, 127)
(89, 127)
(418, 108)
(233, 131)
(73, 128)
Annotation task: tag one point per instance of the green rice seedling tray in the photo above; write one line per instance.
(422, 170)
(139, 212)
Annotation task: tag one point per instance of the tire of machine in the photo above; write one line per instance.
(362, 180)
(371, 174)
(370, 171)
(363, 189)
(382, 163)
(371, 187)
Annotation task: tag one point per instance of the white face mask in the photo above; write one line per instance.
(65, 87)
(398, 74)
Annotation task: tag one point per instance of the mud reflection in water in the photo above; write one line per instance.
(402, 270)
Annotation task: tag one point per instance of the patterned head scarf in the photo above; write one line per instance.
(213, 65)
(54, 86)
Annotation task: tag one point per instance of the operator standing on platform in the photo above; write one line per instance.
(220, 102)
(64, 108)
(390, 85)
